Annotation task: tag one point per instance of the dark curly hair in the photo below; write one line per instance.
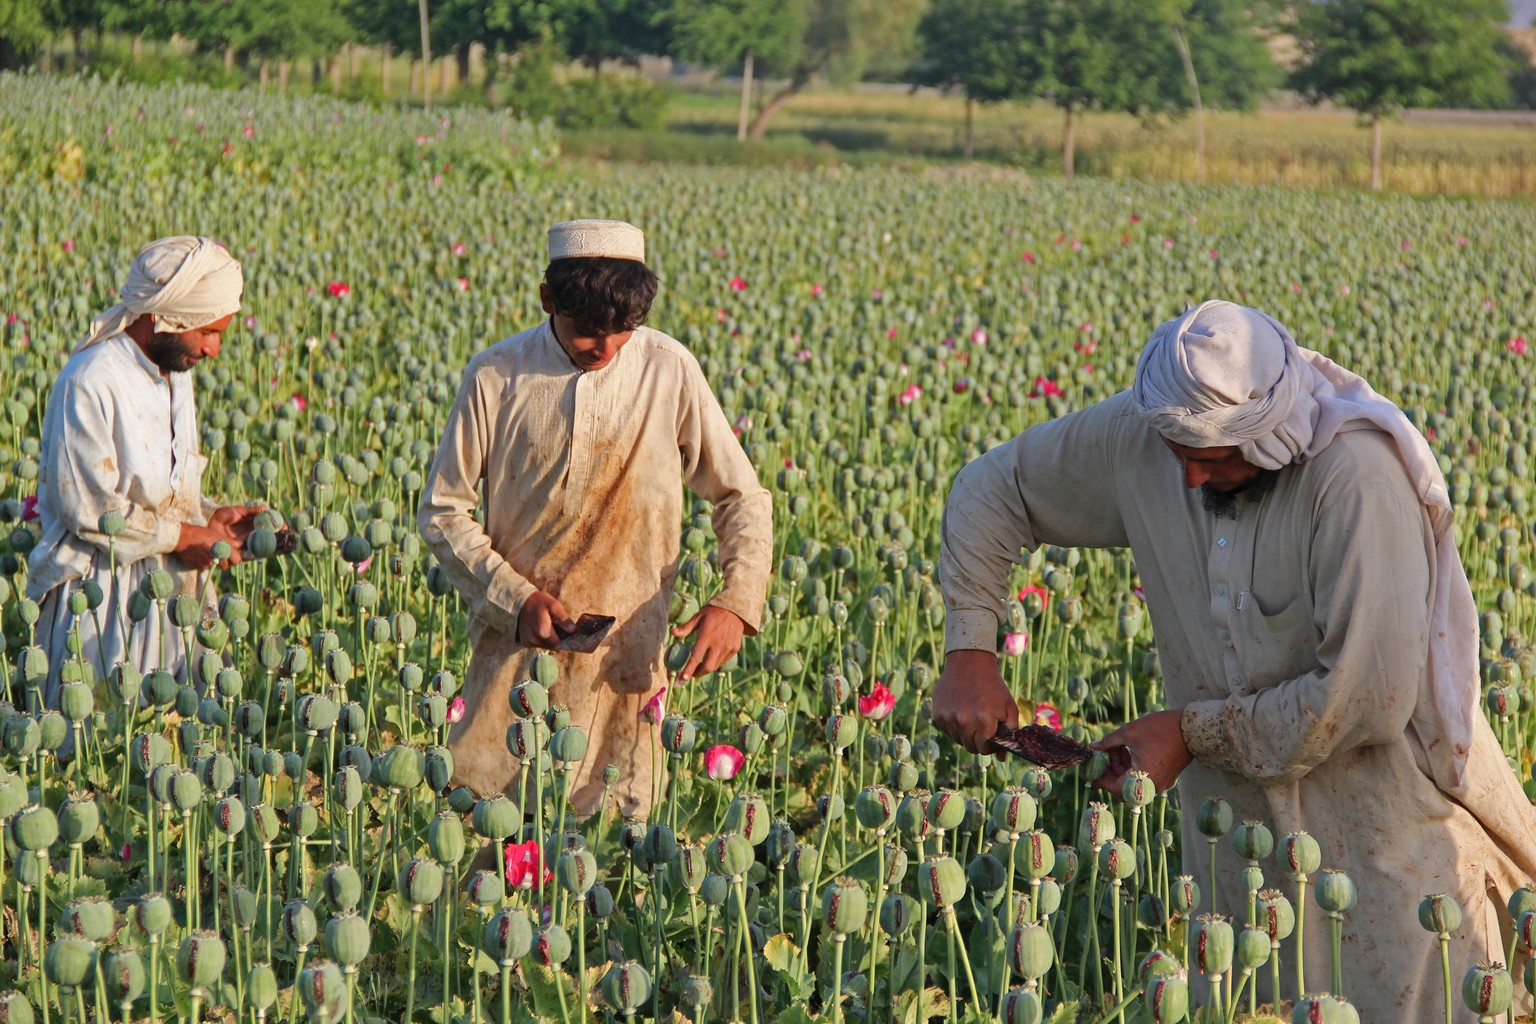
(601, 295)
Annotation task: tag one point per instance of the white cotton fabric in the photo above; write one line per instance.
(1226, 374)
(613, 239)
(184, 282)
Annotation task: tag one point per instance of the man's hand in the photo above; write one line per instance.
(1153, 743)
(542, 621)
(195, 547)
(718, 640)
(236, 520)
(971, 698)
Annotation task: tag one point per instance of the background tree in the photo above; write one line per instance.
(23, 27)
(594, 31)
(1378, 57)
(964, 46)
(722, 33)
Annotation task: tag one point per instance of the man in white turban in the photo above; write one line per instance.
(571, 436)
(1315, 628)
(120, 477)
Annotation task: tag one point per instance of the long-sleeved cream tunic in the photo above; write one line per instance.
(1295, 638)
(580, 474)
(118, 435)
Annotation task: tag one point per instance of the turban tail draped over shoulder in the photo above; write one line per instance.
(1224, 374)
(184, 282)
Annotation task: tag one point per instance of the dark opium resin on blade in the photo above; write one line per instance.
(1042, 746)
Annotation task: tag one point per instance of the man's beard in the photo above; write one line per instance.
(1227, 504)
(169, 352)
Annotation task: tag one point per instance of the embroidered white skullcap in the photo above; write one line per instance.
(613, 239)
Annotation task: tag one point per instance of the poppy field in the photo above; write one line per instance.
(274, 833)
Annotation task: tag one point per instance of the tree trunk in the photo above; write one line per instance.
(759, 127)
(746, 98)
(415, 85)
(352, 58)
(384, 71)
(1069, 144)
(492, 67)
(136, 48)
(426, 55)
(970, 129)
(264, 76)
(336, 73)
(1376, 152)
(77, 40)
(1194, 91)
(446, 70)
(461, 58)
(282, 75)
(229, 58)
(316, 72)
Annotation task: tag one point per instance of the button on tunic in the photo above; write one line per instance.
(1295, 636)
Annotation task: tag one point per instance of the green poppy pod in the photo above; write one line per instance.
(438, 764)
(323, 988)
(659, 845)
(399, 768)
(546, 670)
(1138, 790)
(160, 689)
(875, 808)
(1210, 944)
(68, 961)
(912, 815)
(1151, 911)
(217, 773)
(1521, 900)
(1066, 867)
(34, 828)
(153, 914)
(1013, 811)
(229, 816)
(626, 987)
(1021, 1006)
(212, 633)
(32, 666)
(91, 917)
(748, 814)
(841, 731)
(184, 610)
(803, 865)
(844, 907)
(315, 713)
(13, 793)
(139, 605)
(187, 701)
(1298, 855)
(496, 817)
(366, 596)
(485, 889)
(243, 907)
(526, 738)
(903, 777)
(897, 912)
(1252, 949)
(829, 807)
(1214, 818)
(347, 788)
(730, 854)
(1167, 999)
(1095, 828)
(1117, 860)
(228, 683)
(899, 748)
(507, 937)
(690, 867)
(261, 986)
(1253, 878)
(298, 923)
(14, 1008)
(1156, 963)
(945, 809)
(835, 690)
(308, 601)
(568, 744)
(1441, 914)
(262, 820)
(273, 763)
(347, 938)
(1031, 951)
(576, 870)
(896, 861)
(158, 585)
(678, 735)
(402, 627)
(788, 664)
(160, 782)
(303, 819)
(354, 549)
(200, 959)
(1185, 894)
(79, 817)
(378, 533)
(1322, 1009)
(76, 702)
(1253, 841)
(22, 737)
(342, 885)
(124, 681)
(986, 873)
(941, 882)
(124, 974)
(420, 881)
(445, 838)
(1034, 855)
(529, 700)
(1335, 891)
(773, 720)
(600, 902)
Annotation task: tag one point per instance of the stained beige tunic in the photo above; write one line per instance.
(580, 473)
(1295, 638)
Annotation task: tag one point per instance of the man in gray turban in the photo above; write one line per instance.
(1316, 631)
(120, 477)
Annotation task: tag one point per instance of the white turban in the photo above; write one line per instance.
(1225, 374)
(184, 282)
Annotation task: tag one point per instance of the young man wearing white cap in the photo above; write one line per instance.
(120, 435)
(1318, 637)
(572, 435)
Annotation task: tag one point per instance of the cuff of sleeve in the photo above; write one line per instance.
(503, 602)
(1205, 735)
(970, 630)
(164, 535)
(737, 602)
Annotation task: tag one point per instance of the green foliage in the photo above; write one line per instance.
(723, 32)
(1380, 56)
(536, 90)
(23, 25)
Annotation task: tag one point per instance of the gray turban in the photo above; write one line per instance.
(184, 282)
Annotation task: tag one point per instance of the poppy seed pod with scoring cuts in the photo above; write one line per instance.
(298, 923)
(124, 973)
(507, 937)
(844, 907)
(1021, 1006)
(1210, 944)
(200, 960)
(1117, 860)
(730, 854)
(576, 871)
(1013, 811)
(551, 945)
(1031, 951)
(1066, 866)
(420, 882)
(803, 865)
(399, 768)
(875, 808)
(678, 735)
(342, 885)
(1167, 999)
(68, 961)
(626, 987)
(748, 814)
(1440, 913)
(1322, 1009)
(941, 882)
(1096, 827)
(153, 914)
(90, 917)
(348, 938)
(659, 845)
(1298, 855)
(1253, 841)
(841, 731)
(690, 868)
(945, 809)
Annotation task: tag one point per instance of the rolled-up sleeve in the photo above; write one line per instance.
(490, 587)
(1052, 484)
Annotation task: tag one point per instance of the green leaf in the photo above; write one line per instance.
(780, 952)
(797, 1014)
(1066, 1013)
(935, 1004)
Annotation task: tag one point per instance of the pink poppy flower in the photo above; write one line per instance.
(69, 245)
(1214, 254)
(299, 402)
(249, 131)
(1517, 346)
(1343, 289)
(1461, 241)
(1135, 218)
(804, 355)
(338, 289)
(721, 316)
(29, 508)
(362, 566)
(738, 284)
(523, 864)
(910, 395)
(1167, 243)
(890, 333)
(880, 702)
(1045, 388)
(723, 761)
(1048, 716)
(1406, 244)
(459, 249)
(125, 851)
(463, 284)
(1029, 257)
(720, 252)
(978, 337)
(1077, 245)
(962, 385)
(1040, 592)
(456, 711)
(656, 708)
(1015, 644)
(817, 291)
